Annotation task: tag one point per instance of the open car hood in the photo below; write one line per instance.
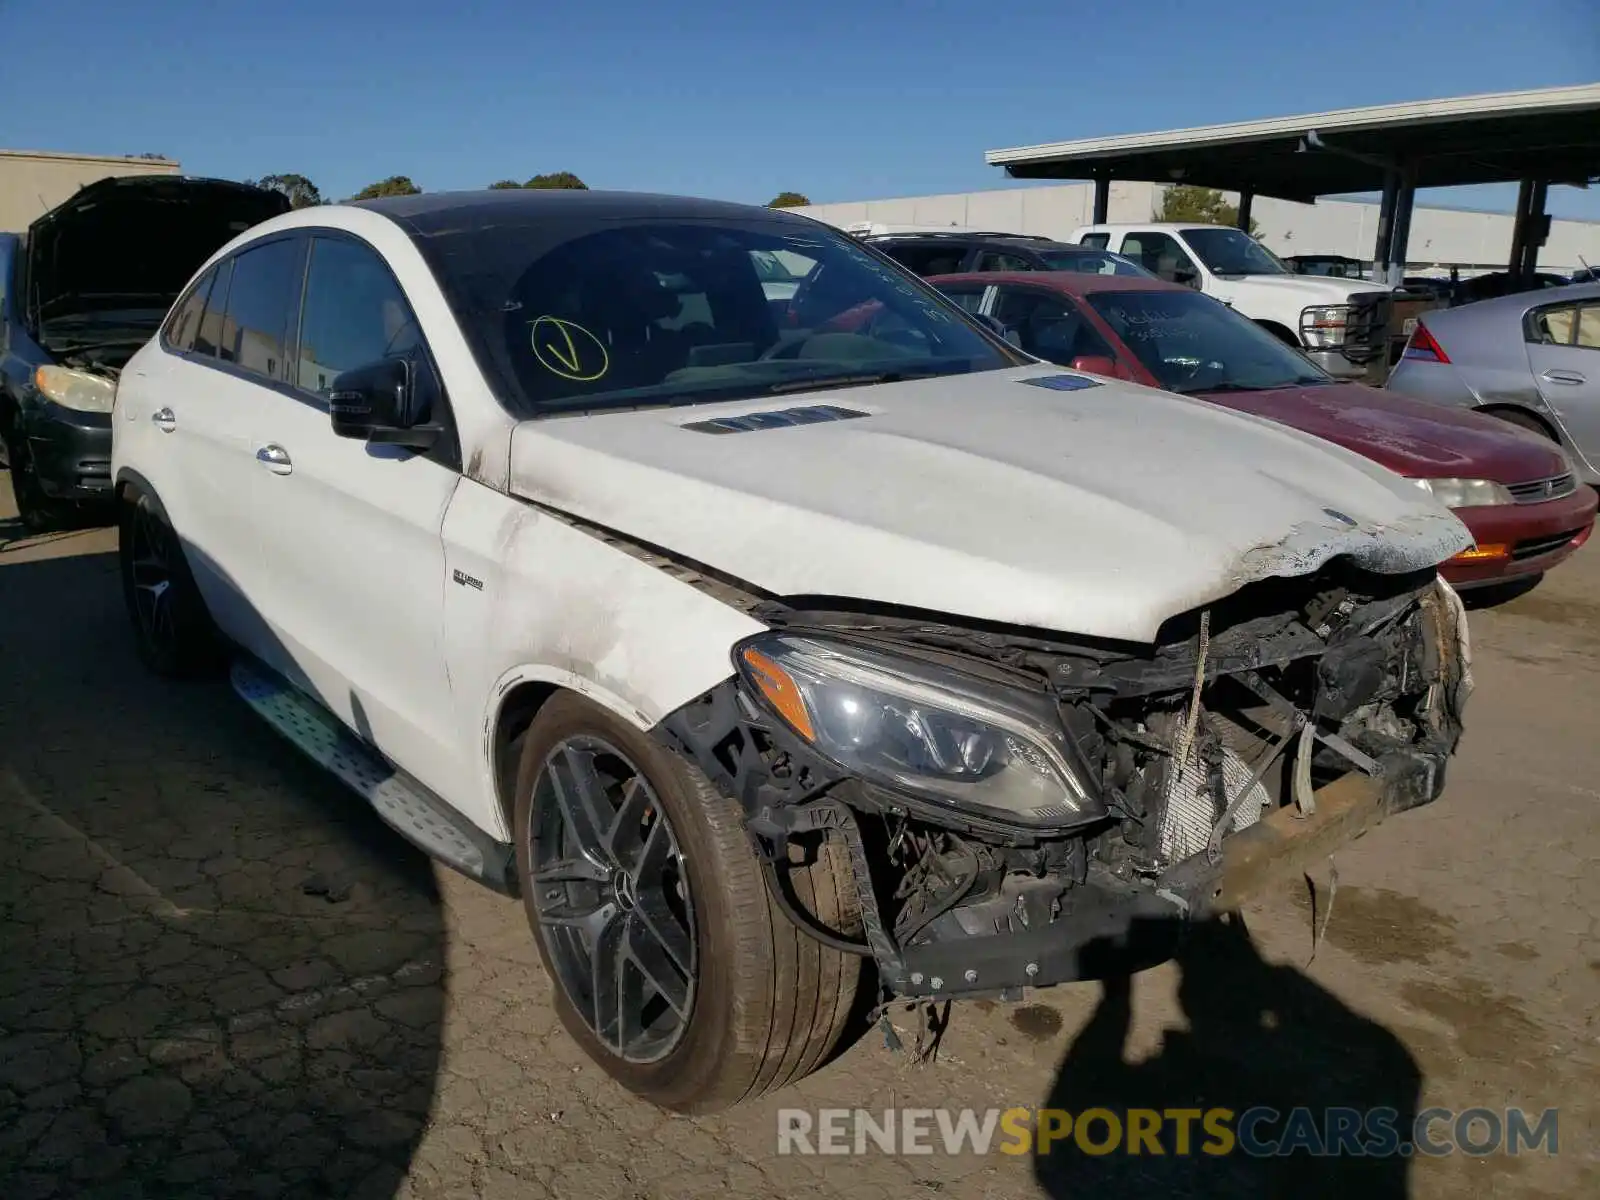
(1100, 511)
(130, 243)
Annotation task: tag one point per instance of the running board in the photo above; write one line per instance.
(409, 808)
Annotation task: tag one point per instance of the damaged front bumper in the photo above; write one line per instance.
(1297, 733)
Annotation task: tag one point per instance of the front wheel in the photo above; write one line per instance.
(672, 966)
(37, 511)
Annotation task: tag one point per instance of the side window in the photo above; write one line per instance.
(1095, 241)
(354, 314)
(209, 333)
(1588, 327)
(261, 305)
(969, 298)
(1160, 254)
(6, 261)
(993, 260)
(926, 260)
(1049, 326)
(184, 323)
(1566, 325)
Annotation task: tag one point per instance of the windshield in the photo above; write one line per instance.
(1191, 343)
(1233, 252)
(1092, 262)
(580, 314)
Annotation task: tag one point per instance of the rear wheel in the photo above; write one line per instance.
(1522, 420)
(173, 630)
(672, 967)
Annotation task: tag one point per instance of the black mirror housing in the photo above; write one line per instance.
(379, 403)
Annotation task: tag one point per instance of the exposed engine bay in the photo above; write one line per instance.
(1241, 713)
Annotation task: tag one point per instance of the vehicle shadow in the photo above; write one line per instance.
(1259, 1036)
(220, 973)
(1496, 594)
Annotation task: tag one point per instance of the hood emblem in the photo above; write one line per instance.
(1342, 518)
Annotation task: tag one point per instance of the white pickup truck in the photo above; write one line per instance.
(1339, 323)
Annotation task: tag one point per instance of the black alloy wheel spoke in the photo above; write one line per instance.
(610, 892)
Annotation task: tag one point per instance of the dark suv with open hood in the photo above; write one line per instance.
(83, 289)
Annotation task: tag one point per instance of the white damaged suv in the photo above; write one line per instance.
(748, 638)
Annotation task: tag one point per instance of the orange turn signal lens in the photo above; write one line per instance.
(781, 691)
(1484, 552)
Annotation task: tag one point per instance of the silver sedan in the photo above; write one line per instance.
(1531, 358)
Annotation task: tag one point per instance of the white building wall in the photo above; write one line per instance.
(1347, 227)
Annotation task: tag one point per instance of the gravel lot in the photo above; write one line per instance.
(220, 975)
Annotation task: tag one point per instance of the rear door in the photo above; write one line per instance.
(197, 412)
(1564, 352)
(352, 531)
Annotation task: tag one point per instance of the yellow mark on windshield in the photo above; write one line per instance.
(567, 349)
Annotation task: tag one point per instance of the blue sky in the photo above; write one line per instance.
(837, 100)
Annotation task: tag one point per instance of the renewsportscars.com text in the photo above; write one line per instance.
(1258, 1132)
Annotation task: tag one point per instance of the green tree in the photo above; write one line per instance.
(558, 179)
(502, 184)
(395, 185)
(302, 193)
(1201, 205)
(788, 200)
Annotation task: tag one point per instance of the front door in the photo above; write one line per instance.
(1564, 352)
(353, 531)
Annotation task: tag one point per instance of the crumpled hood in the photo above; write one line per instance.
(1101, 511)
(1411, 437)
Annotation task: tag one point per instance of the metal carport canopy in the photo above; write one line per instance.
(1551, 134)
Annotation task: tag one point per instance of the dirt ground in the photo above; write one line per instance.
(220, 975)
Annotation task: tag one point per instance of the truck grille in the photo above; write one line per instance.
(1539, 490)
(1366, 329)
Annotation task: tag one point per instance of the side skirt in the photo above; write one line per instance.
(409, 808)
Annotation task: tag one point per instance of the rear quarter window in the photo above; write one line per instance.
(184, 321)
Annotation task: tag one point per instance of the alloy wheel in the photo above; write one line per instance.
(611, 896)
(151, 566)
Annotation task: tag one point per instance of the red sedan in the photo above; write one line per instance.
(1516, 492)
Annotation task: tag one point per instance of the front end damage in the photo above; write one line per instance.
(1256, 734)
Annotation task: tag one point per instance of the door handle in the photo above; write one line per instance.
(1554, 376)
(275, 458)
(163, 420)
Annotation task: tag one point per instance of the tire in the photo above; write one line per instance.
(37, 511)
(172, 627)
(766, 1001)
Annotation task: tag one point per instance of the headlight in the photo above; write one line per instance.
(951, 739)
(75, 389)
(1465, 493)
(1322, 326)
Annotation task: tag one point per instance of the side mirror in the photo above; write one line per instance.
(1097, 364)
(1187, 276)
(379, 403)
(990, 323)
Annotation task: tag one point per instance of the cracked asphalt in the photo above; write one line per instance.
(221, 975)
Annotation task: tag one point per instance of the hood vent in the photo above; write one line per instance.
(783, 418)
(1061, 383)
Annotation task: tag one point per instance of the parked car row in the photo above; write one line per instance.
(1340, 323)
(753, 609)
(1516, 491)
